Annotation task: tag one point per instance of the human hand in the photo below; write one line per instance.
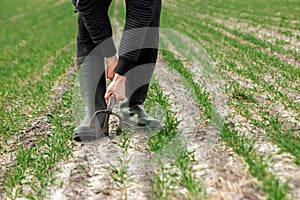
(117, 87)
(111, 64)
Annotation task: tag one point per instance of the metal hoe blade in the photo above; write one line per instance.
(108, 112)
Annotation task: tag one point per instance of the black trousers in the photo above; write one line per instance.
(94, 29)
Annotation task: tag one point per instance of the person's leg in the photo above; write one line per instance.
(94, 16)
(85, 43)
(90, 62)
(138, 78)
(146, 60)
(92, 84)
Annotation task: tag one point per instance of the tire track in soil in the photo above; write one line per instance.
(222, 172)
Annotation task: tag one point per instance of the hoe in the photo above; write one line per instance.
(108, 112)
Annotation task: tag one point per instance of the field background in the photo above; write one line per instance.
(255, 45)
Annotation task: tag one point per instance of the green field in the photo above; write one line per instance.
(255, 45)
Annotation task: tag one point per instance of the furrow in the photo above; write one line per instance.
(47, 66)
(18, 108)
(277, 79)
(284, 167)
(85, 175)
(268, 35)
(238, 27)
(220, 169)
(140, 166)
(281, 54)
(209, 10)
(257, 17)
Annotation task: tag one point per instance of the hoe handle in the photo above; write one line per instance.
(111, 102)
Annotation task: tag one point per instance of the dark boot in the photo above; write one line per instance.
(137, 84)
(137, 116)
(138, 79)
(92, 89)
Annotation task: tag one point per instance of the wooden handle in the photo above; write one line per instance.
(111, 102)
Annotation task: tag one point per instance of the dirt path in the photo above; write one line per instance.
(84, 175)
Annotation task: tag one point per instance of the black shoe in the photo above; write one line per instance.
(137, 116)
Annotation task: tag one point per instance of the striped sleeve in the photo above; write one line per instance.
(139, 14)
